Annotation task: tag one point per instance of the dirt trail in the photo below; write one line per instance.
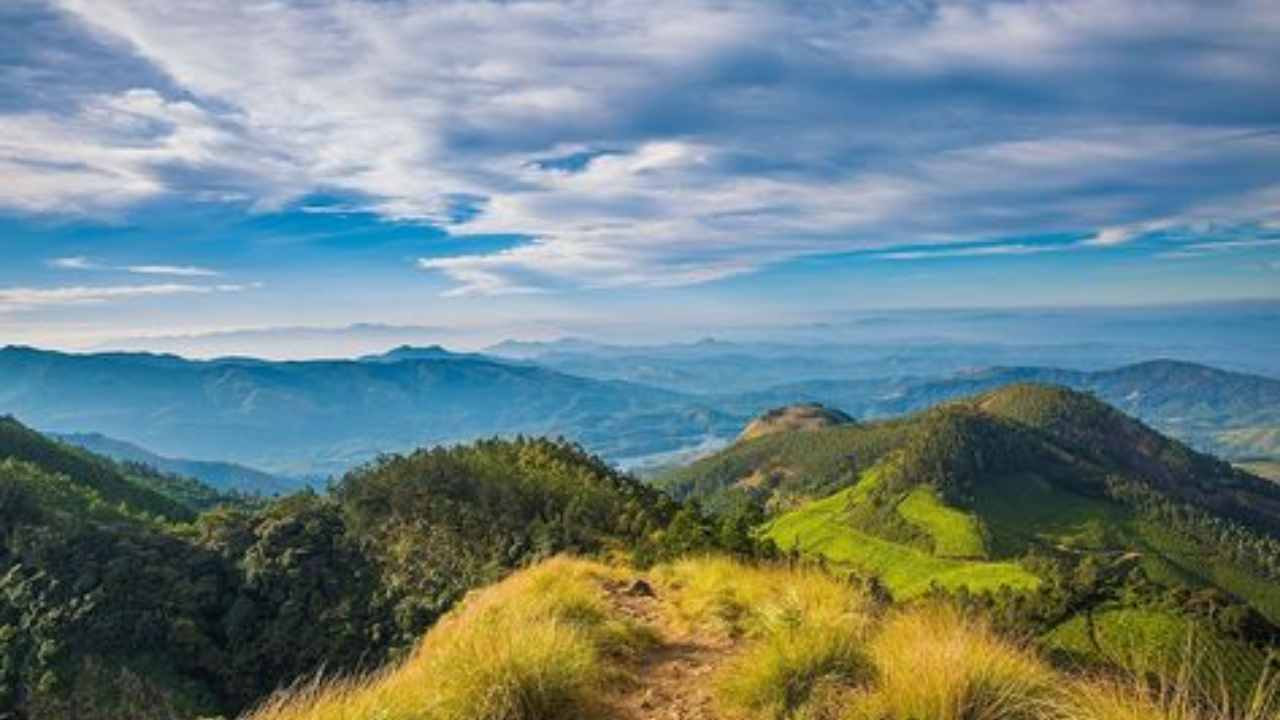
(675, 680)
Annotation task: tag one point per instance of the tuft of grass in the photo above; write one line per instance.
(804, 634)
(936, 664)
(801, 672)
(1179, 698)
(734, 600)
(538, 646)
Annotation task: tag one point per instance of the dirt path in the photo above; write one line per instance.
(674, 681)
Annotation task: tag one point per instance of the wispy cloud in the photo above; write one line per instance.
(84, 263)
(978, 251)
(28, 298)
(737, 134)
(1221, 247)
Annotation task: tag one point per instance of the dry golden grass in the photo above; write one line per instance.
(1169, 699)
(935, 664)
(535, 647)
(730, 598)
(547, 644)
(804, 634)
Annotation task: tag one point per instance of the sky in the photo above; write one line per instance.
(465, 171)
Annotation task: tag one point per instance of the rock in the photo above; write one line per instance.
(640, 588)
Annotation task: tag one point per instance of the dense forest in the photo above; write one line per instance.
(118, 599)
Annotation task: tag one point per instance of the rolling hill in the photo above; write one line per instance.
(960, 495)
(1123, 538)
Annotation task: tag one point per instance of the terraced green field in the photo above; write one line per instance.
(821, 529)
(955, 534)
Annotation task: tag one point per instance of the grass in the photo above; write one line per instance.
(1025, 509)
(1156, 642)
(1112, 698)
(935, 664)
(542, 645)
(955, 534)
(804, 633)
(549, 644)
(821, 529)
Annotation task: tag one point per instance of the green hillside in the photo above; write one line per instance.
(823, 528)
(1031, 490)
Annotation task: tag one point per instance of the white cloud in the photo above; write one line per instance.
(84, 263)
(980, 251)
(1221, 247)
(28, 298)
(175, 270)
(73, 263)
(739, 134)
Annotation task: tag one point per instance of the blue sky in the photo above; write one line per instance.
(539, 167)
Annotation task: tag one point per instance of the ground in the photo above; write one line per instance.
(675, 679)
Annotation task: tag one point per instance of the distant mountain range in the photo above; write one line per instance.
(322, 417)
(317, 418)
(223, 476)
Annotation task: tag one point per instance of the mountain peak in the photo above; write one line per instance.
(795, 418)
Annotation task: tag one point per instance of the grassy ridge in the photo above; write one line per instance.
(542, 644)
(552, 644)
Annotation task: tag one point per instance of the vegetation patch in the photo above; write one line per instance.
(821, 529)
(955, 533)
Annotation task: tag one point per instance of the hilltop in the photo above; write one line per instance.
(793, 418)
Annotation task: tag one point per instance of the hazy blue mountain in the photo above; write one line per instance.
(429, 352)
(716, 367)
(323, 416)
(225, 476)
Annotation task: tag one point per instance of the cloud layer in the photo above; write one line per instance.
(667, 142)
(29, 298)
